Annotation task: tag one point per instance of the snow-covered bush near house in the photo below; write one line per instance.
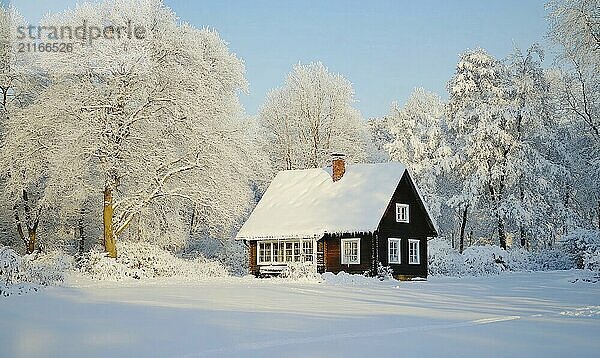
(300, 271)
(443, 259)
(484, 260)
(21, 274)
(582, 245)
(138, 261)
(234, 255)
(384, 272)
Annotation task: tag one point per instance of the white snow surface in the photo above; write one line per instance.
(307, 203)
(541, 314)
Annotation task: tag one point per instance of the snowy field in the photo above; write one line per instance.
(514, 314)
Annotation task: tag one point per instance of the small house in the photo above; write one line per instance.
(348, 218)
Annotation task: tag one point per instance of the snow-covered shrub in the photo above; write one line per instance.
(443, 259)
(46, 268)
(550, 259)
(591, 261)
(384, 272)
(231, 253)
(300, 271)
(484, 260)
(491, 259)
(139, 260)
(582, 244)
(11, 267)
(21, 274)
(234, 255)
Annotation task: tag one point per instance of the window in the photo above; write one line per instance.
(264, 252)
(277, 252)
(289, 256)
(280, 252)
(307, 251)
(350, 251)
(413, 252)
(402, 213)
(393, 251)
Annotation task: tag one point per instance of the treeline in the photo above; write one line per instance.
(513, 156)
(144, 139)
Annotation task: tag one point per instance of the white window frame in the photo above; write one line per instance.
(400, 210)
(397, 241)
(343, 250)
(291, 251)
(414, 259)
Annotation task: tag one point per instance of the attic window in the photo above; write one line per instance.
(350, 251)
(402, 213)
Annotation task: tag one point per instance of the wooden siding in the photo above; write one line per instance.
(252, 259)
(404, 268)
(419, 227)
(333, 258)
(419, 223)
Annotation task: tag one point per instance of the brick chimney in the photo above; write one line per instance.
(338, 166)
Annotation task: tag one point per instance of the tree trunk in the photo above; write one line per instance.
(598, 214)
(31, 242)
(521, 226)
(463, 225)
(81, 236)
(109, 237)
(501, 233)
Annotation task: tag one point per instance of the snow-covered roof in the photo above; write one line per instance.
(307, 203)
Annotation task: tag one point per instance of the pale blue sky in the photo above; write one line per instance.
(385, 48)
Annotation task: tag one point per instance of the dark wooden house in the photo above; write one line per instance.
(341, 218)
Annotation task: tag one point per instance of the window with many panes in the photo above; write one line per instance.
(413, 252)
(285, 251)
(307, 251)
(350, 251)
(393, 251)
(402, 213)
(264, 252)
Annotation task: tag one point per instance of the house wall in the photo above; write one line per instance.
(252, 259)
(404, 268)
(419, 227)
(333, 258)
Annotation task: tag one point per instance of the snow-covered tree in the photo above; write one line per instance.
(575, 28)
(540, 213)
(420, 142)
(311, 116)
(22, 166)
(477, 113)
(151, 125)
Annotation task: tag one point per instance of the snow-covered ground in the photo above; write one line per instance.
(514, 314)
